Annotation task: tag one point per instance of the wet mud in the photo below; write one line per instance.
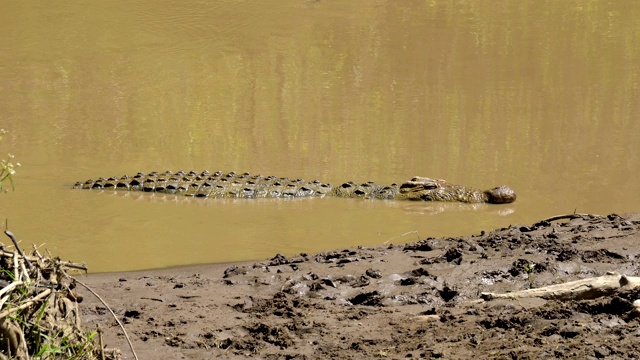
(415, 300)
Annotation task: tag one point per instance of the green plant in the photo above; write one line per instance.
(47, 337)
(530, 268)
(7, 168)
(65, 348)
(8, 273)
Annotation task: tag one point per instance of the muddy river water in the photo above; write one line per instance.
(542, 96)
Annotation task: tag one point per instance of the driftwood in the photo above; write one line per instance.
(584, 289)
(39, 314)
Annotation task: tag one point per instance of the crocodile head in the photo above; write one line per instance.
(501, 195)
(428, 189)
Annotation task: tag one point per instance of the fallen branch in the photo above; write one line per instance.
(10, 287)
(73, 265)
(10, 254)
(590, 288)
(26, 304)
(15, 243)
(101, 342)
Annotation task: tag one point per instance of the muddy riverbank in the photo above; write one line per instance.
(415, 300)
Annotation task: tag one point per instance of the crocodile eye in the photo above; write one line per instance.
(407, 185)
(431, 187)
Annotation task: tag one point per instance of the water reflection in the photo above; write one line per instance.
(415, 208)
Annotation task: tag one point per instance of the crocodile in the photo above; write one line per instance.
(233, 185)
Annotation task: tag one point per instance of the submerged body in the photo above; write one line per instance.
(233, 185)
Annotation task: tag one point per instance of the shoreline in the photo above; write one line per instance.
(418, 299)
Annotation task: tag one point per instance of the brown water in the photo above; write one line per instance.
(542, 96)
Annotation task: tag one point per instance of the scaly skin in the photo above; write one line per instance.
(232, 185)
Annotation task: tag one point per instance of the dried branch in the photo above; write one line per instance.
(26, 281)
(26, 304)
(590, 288)
(15, 243)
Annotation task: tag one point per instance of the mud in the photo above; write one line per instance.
(416, 300)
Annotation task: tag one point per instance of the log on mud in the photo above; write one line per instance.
(584, 289)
